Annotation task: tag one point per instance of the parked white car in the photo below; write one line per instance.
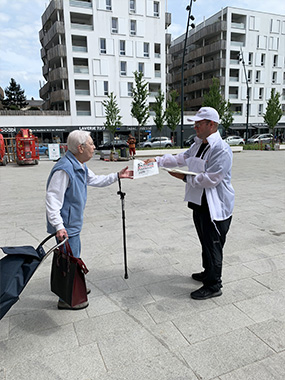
(265, 138)
(234, 140)
(157, 142)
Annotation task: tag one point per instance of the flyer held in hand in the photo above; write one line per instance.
(144, 170)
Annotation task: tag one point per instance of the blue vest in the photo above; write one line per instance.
(75, 195)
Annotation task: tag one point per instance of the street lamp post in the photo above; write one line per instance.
(240, 56)
(190, 17)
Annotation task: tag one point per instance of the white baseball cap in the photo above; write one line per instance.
(206, 113)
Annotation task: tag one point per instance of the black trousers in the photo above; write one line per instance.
(212, 238)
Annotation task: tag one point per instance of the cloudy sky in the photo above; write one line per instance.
(20, 22)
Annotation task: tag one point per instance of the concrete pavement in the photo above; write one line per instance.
(147, 327)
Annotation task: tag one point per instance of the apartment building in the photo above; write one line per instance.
(217, 47)
(91, 48)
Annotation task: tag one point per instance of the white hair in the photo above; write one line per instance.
(76, 138)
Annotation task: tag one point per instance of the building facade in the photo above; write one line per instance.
(246, 50)
(91, 48)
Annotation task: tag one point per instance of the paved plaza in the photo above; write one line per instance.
(147, 327)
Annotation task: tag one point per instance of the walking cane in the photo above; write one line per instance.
(122, 196)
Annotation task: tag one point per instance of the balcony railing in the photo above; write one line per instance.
(81, 26)
(81, 69)
(83, 113)
(82, 92)
(82, 4)
(79, 49)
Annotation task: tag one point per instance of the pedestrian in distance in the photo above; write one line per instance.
(66, 193)
(132, 145)
(209, 194)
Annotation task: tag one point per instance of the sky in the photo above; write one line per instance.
(20, 22)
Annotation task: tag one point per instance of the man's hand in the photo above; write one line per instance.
(147, 161)
(125, 173)
(61, 234)
(178, 175)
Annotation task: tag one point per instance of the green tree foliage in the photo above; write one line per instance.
(273, 110)
(159, 116)
(140, 108)
(15, 98)
(173, 111)
(112, 111)
(215, 99)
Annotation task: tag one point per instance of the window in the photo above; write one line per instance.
(109, 5)
(106, 88)
(122, 47)
(130, 89)
(157, 50)
(275, 60)
(146, 49)
(141, 67)
(103, 49)
(133, 30)
(260, 109)
(261, 93)
(157, 70)
(156, 9)
(274, 76)
(250, 55)
(257, 76)
(123, 69)
(114, 25)
(262, 60)
(133, 6)
(249, 76)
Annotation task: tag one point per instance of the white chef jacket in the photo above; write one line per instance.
(214, 175)
(57, 188)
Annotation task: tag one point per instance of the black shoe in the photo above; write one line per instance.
(205, 293)
(88, 291)
(199, 276)
(61, 305)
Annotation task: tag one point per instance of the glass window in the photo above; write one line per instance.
(133, 6)
(133, 30)
(103, 46)
(141, 67)
(114, 25)
(123, 68)
(146, 49)
(109, 5)
(122, 47)
(156, 8)
(157, 50)
(106, 88)
(130, 89)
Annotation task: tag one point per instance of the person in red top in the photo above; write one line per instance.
(132, 145)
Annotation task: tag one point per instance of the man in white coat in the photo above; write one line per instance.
(209, 194)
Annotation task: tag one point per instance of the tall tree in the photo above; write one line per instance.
(159, 116)
(215, 99)
(173, 111)
(273, 110)
(15, 98)
(140, 108)
(113, 117)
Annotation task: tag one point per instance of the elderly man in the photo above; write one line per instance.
(209, 194)
(66, 194)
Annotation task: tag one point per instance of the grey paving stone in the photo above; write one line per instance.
(272, 280)
(271, 332)
(271, 368)
(264, 307)
(211, 323)
(225, 353)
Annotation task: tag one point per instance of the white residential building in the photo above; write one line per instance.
(213, 50)
(91, 48)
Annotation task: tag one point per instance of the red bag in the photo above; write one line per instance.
(68, 276)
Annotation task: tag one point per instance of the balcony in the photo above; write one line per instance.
(57, 28)
(44, 91)
(167, 19)
(59, 96)
(58, 74)
(56, 52)
(54, 5)
(80, 3)
(167, 39)
(81, 69)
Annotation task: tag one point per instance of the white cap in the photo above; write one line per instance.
(206, 113)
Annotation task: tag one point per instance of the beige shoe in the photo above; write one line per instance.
(61, 305)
